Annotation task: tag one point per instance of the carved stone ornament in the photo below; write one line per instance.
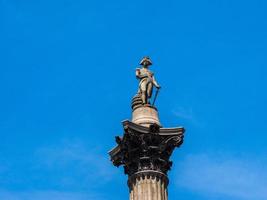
(146, 149)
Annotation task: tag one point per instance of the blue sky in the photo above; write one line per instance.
(67, 79)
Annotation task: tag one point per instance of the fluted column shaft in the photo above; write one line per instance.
(148, 187)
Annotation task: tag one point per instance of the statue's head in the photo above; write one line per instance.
(146, 61)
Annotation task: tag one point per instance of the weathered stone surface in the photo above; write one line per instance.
(145, 115)
(148, 187)
(145, 152)
(147, 81)
(146, 148)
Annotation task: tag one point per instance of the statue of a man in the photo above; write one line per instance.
(147, 80)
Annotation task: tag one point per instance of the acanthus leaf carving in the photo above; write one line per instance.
(145, 149)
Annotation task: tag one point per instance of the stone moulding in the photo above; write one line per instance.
(146, 149)
(149, 174)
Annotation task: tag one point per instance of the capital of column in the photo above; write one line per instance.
(146, 151)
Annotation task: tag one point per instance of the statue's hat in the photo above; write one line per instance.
(146, 61)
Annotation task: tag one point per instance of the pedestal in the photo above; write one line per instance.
(145, 115)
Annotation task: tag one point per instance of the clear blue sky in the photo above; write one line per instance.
(67, 79)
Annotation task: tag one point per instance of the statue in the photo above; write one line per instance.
(145, 148)
(147, 81)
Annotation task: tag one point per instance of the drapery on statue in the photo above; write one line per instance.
(147, 80)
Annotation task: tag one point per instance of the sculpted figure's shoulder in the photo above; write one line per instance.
(137, 72)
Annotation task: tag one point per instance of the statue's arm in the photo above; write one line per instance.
(137, 72)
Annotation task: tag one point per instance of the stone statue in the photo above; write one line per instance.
(147, 80)
(145, 148)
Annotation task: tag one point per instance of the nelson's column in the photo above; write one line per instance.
(145, 148)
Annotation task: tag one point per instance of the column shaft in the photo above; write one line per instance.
(148, 188)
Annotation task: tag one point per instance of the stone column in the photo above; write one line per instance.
(144, 151)
(148, 185)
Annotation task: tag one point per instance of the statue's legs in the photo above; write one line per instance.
(149, 90)
(143, 90)
(143, 96)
